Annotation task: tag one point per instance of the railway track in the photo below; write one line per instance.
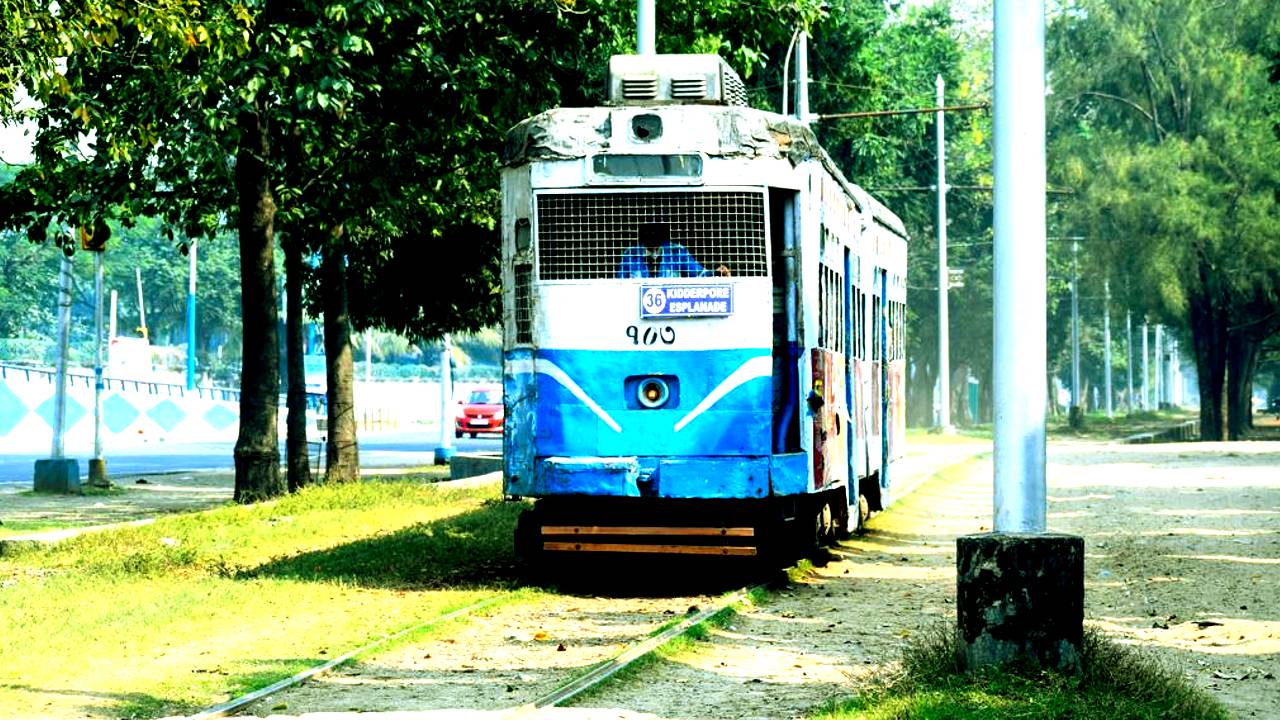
(554, 688)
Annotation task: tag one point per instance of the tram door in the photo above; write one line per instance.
(786, 345)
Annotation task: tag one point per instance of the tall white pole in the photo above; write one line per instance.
(645, 23)
(1159, 361)
(444, 451)
(1146, 386)
(368, 355)
(64, 340)
(1076, 399)
(142, 309)
(1130, 405)
(111, 328)
(1106, 338)
(944, 278)
(1020, 363)
(191, 314)
(97, 356)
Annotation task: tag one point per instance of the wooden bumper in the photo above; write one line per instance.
(655, 540)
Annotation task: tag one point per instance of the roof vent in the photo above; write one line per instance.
(640, 87)
(648, 79)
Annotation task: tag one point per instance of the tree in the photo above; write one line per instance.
(1164, 119)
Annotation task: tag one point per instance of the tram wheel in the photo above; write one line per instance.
(528, 546)
(864, 513)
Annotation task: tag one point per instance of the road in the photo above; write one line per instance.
(383, 449)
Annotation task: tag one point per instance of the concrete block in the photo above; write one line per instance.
(1020, 596)
(59, 475)
(465, 465)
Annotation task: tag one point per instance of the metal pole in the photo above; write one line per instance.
(97, 464)
(1075, 328)
(191, 315)
(64, 340)
(368, 355)
(1106, 338)
(1146, 395)
(111, 331)
(444, 451)
(1159, 360)
(142, 309)
(645, 22)
(1020, 357)
(1128, 361)
(802, 78)
(97, 356)
(944, 278)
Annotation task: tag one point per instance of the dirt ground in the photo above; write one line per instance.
(1182, 548)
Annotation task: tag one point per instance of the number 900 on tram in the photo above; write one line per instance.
(703, 325)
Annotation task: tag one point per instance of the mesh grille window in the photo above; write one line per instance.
(524, 303)
(584, 236)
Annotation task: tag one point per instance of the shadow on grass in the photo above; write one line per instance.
(106, 704)
(471, 549)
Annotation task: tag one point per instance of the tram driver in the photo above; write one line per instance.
(657, 255)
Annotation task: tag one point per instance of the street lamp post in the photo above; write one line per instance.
(944, 280)
(58, 473)
(1019, 583)
(444, 452)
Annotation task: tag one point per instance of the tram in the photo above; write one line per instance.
(703, 325)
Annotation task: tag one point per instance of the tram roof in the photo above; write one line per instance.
(572, 133)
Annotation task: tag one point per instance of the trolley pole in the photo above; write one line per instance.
(802, 78)
(944, 276)
(645, 24)
(1019, 583)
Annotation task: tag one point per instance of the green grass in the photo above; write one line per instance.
(1116, 683)
(1097, 426)
(184, 613)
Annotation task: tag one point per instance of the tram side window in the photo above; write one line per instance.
(831, 311)
(877, 349)
(523, 292)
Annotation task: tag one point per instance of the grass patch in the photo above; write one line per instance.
(181, 614)
(1116, 683)
(1097, 426)
(23, 527)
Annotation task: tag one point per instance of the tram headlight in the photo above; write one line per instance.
(653, 392)
(646, 128)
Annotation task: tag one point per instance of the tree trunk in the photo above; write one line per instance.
(1208, 337)
(257, 451)
(1242, 354)
(343, 457)
(299, 460)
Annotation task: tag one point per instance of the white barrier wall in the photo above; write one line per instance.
(135, 413)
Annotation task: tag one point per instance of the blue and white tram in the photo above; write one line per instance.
(742, 393)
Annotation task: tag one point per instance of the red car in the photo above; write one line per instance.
(481, 412)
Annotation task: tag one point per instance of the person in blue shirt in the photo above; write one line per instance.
(657, 255)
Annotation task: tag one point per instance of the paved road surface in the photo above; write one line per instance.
(385, 449)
